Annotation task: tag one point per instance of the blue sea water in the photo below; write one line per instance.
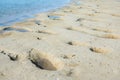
(17, 10)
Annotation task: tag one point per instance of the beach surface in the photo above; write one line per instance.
(80, 41)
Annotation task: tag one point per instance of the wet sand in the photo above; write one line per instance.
(78, 42)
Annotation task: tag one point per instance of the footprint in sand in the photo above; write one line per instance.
(93, 49)
(78, 29)
(12, 56)
(100, 50)
(78, 43)
(102, 30)
(44, 60)
(111, 36)
(46, 32)
(108, 35)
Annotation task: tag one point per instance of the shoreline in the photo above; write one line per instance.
(27, 17)
(75, 42)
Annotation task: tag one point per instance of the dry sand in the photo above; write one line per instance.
(77, 42)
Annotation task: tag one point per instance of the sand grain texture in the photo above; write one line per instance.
(80, 41)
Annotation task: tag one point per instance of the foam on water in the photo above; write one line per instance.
(17, 10)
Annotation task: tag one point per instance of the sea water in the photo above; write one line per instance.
(16, 10)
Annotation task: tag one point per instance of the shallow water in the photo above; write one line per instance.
(17, 10)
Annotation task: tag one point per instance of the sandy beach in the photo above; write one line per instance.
(80, 41)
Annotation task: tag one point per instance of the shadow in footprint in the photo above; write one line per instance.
(13, 58)
(78, 43)
(44, 61)
(99, 50)
(15, 29)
